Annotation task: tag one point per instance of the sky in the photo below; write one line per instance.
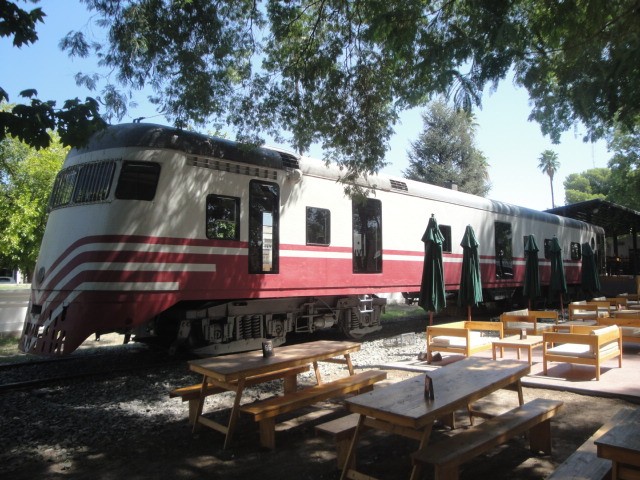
(511, 144)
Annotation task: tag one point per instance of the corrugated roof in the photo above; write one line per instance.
(615, 219)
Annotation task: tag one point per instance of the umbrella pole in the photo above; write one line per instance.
(469, 312)
(561, 305)
(430, 318)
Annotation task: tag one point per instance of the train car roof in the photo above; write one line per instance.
(311, 166)
(159, 136)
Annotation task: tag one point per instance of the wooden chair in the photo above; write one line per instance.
(584, 345)
(513, 324)
(584, 312)
(464, 337)
(603, 305)
(629, 326)
(617, 302)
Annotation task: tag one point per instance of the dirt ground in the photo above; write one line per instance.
(148, 446)
(93, 442)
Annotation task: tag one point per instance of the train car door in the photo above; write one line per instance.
(264, 238)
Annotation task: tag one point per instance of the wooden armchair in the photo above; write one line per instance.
(513, 324)
(584, 345)
(617, 302)
(584, 312)
(604, 305)
(629, 326)
(464, 337)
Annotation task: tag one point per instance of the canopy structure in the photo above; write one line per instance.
(616, 221)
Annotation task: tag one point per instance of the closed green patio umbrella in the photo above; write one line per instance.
(470, 294)
(432, 295)
(531, 287)
(589, 277)
(557, 282)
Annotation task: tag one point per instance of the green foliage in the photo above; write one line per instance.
(339, 72)
(32, 122)
(625, 169)
(445, 153)
(589, 185)
(19, 23)
(26, 179)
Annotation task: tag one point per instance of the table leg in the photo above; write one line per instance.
(352, 449)
(417, 468)
(347, 357)
(316, 369)
(200, 405)
(235, 412)
(520, 394)
(290, 383)
(518, 352)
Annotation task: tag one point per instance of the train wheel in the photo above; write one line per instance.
(356, 325)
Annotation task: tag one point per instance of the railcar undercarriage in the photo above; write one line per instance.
(243, 325)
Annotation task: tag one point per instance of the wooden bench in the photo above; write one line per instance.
(584, 463)
(448, 455)
(191, 393)
(341, 430)
(465, 337)
(514, 323)
(629, 327)
(584, 345)
(265, 411)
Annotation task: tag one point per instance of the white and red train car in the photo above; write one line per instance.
(162, 233)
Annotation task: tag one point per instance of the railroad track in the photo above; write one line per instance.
(36, 374)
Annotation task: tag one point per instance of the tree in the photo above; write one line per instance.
(445, 153)
(549, 165)
(339, 72)
(588, 185)
(625, 169)
(32, 123)
(26, 179)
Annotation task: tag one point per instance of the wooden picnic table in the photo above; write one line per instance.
(402, 408)
(621, 445)
(231, 372)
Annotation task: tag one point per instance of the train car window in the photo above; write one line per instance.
(94, 182)
(446, 233)
(504, 250)
(223, 217)
(547, 248)
(264, 243)
(318, 226)
(367, 236)
(138, 181)
(63, 188)
(576, 251)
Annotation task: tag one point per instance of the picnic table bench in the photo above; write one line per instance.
(236, 371)
(266, 411)
(402, 409)
(192, 393)
(584, 463)
(341, 429)
(621, 445)
(447, 456)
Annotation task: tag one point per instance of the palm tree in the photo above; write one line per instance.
(549, 165)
